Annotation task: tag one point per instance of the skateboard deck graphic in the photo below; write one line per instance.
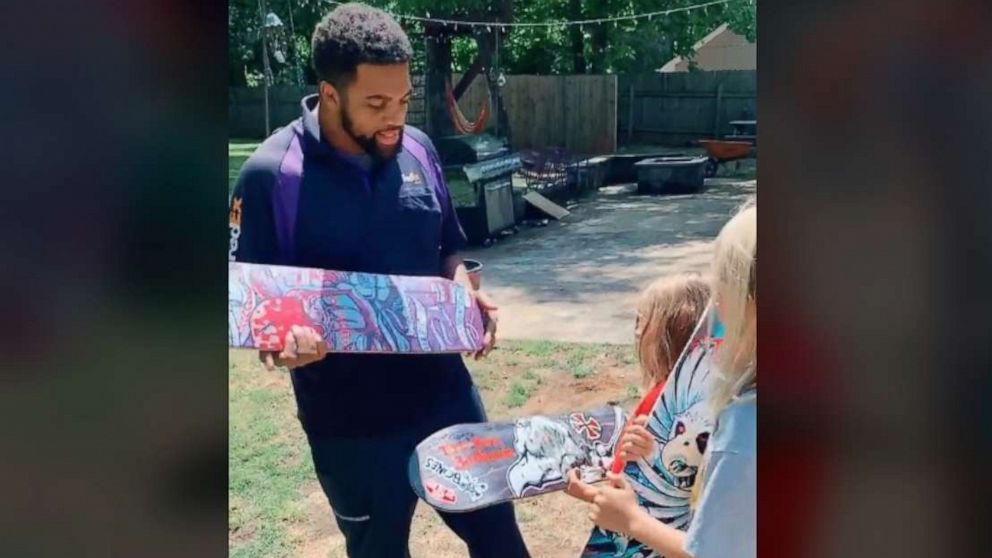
(681, 423)
(353, 312)
(470, 466)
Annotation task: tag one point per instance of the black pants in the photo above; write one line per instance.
(365, 480)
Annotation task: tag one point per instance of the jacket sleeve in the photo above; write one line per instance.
(453, 238)
(250, 219)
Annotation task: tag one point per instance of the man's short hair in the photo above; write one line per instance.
(354, 34)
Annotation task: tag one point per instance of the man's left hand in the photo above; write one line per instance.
(489, 321)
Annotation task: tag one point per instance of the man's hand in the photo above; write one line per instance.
(453, 268)
(636, 442)
(303, 346)
(489, 321)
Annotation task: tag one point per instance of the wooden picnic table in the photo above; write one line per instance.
(744, 130)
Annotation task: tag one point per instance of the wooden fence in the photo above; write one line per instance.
(584, 114)
(675, 108)
(578, 112)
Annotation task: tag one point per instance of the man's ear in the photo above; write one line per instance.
(329, 93)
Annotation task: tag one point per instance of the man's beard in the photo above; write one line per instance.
(368, 143)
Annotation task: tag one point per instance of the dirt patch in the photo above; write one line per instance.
(318, 535)
(240, 536)
(562, 393)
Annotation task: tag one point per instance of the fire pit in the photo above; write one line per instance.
(670, 175)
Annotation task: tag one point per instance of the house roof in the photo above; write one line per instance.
(721, 38)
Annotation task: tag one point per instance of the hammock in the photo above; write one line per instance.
(462, 124)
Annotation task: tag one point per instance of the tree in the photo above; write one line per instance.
(627, 46)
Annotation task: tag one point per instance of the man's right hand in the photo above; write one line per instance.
(303, 346)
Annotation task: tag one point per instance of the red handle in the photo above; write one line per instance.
(643, 408)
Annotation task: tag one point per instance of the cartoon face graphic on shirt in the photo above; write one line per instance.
(683, 453)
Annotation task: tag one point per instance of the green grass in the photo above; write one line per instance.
(518, 395)
(267, 465)
(633, 392)
(538, 349)
(583, 371)
(580, 354)
(270, 472)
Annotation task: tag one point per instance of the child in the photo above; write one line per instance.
(667, 314)
(724, 500)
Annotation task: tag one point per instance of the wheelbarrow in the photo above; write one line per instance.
(722, 151)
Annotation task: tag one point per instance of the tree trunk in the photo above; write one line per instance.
(599, 40)
(576, 38)
(435, 84)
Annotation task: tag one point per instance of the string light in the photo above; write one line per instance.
(580, 23)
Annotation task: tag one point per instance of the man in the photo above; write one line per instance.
(348, 187)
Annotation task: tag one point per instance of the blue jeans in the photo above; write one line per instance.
(365, 480)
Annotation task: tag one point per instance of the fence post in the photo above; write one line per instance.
(630, 113)
(716, 118)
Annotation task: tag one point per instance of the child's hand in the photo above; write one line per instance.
(615, 505)
(578, 489)
(636, 442)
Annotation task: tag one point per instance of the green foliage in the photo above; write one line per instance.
(518, 395)
(625, 47)
(633, 392)
(583, 371)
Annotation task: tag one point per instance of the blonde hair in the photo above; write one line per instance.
(734, 275)
(667, 314)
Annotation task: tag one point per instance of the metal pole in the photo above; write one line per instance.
(498, 92)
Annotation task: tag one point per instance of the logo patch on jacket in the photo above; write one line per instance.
(234, 223)
(234, 219)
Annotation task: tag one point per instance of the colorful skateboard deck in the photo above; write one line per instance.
(471, 466)
(681, 423)
(353, 312)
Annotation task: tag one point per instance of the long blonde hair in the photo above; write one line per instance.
(735, 275)
(735, 278)
(667, 313)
